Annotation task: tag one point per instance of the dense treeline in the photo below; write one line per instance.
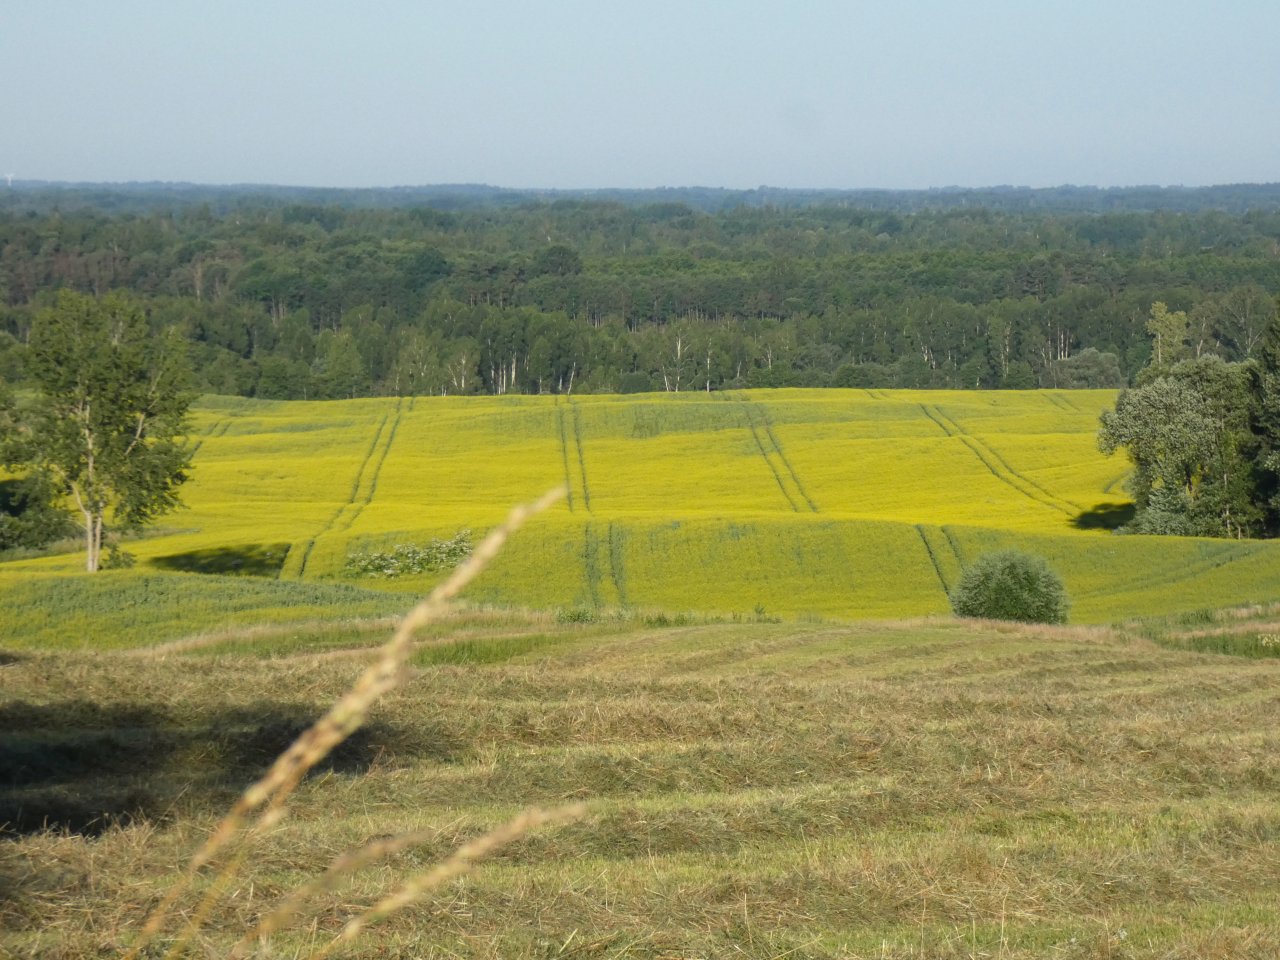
(290, 299)
(156, 197)
(1203, 436)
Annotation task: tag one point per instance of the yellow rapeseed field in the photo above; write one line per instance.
(793, 503)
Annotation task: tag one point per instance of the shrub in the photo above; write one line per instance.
(1010, 585)
(576, 615)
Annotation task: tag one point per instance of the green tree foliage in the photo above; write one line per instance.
(1019, 376)
(1011, 585)
(29, 515)
(1090, 369)
(1187, 435)
(105, 427)
(763, 287)
(1202, 434)
(1264, 423)
(556, 260)
(1169, 331)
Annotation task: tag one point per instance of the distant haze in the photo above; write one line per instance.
(832, 93)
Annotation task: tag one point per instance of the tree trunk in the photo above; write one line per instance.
(93, 542)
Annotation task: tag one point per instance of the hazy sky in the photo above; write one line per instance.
(593, 93)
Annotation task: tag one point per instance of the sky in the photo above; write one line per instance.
(595, 93)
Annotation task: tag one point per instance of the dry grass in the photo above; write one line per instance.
(264, 805)
(931, 789)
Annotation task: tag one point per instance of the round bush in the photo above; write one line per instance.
(1010, 585)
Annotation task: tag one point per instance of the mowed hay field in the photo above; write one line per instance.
(931, 789)
(800, 504)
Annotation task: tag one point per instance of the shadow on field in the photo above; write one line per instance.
(252, 560)
(1104, 516)
(82, 767)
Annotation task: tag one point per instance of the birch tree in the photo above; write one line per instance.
(107, 423)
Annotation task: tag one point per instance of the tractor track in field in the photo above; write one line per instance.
(1060, 402)
(347, 513)
(955, 547)
(564, 455)
(1228, 554)
(787, 470)
(591, 572)
(582, 460)
(382, 459)
(599, 551)
(774, 470)
(999, 466)
(363, 487)
(617, 566)
(1074, 407)
(933, 558)
(1111, 485)
(216, 429)
(573, 425)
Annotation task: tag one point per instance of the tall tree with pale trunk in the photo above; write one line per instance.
(109, 417)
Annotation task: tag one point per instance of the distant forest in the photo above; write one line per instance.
(288, 292)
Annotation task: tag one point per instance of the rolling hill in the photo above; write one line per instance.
(799, 504)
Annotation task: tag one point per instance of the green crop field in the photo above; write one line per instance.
(800, 504)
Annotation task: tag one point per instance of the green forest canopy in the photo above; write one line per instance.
(300, 293)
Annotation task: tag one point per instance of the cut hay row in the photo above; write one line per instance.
(900, 790)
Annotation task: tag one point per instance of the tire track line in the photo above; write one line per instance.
(1112, 484)
(933, 558)
(331, 524)
(747, 408)
(377, 468)
(990, 458)
(1228, 554)
(955, 547)
(782, 455)
(1060, 403)
(591, 566)
(207, 433)
(1075, 407)
(353, 501)
(564, 456)
(772, 469)
(617, 565)
(582, 461)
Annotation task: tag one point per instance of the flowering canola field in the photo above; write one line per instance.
(796, 503)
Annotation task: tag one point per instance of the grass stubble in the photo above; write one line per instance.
(907, 790)
(264, 804)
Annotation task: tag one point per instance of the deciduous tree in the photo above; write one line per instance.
(1186, 434)
(107, 423)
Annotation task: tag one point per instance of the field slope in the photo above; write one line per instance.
(892, 790)
(835, 504)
